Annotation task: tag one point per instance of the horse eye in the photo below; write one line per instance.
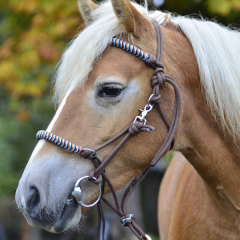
(110, 91)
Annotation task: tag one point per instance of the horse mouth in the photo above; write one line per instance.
(69, 217)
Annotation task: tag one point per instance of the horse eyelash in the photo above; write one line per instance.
(113, 85)
(102, 86)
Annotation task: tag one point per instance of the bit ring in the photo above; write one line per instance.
(77, 193)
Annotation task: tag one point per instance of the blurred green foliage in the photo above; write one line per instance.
(33, 35)
(17, 138)
(224, 11)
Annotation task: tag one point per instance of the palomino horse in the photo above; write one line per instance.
(100, 89)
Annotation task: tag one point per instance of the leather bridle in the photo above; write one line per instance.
(98, 176)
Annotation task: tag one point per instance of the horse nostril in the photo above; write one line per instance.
(33, 200)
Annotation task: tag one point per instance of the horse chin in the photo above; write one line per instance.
(69, 218)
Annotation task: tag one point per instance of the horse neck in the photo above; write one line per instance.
(213, 154)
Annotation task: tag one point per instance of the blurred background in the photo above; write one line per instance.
(33, 35)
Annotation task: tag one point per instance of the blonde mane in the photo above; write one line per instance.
(86, 48)
(216, 48)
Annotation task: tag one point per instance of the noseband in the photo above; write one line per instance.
(98, 176)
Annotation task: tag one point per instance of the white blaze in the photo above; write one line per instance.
(50, 127)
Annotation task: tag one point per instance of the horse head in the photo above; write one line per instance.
(100, 90)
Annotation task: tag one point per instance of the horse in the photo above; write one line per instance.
(99, 89)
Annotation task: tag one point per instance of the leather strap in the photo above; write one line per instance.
(157, 81)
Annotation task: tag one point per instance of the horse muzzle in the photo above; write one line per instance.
(44, 192)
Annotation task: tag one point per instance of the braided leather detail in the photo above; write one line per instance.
(129, 48)
(137, 127)
(58, 141)
(127, 219)
(85, 154)
(158, 78)
(91, 178)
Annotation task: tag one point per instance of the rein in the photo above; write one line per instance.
(98, 175)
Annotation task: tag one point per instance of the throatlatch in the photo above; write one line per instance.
(98, 176)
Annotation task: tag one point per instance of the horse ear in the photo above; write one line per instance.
(86, 7)
(129, 17)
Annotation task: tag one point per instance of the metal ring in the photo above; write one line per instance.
(150, 98)
(149, 106)
(77, 185)
(140, 119)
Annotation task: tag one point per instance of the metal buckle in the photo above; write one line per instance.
(148, 107)
(78, 194)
